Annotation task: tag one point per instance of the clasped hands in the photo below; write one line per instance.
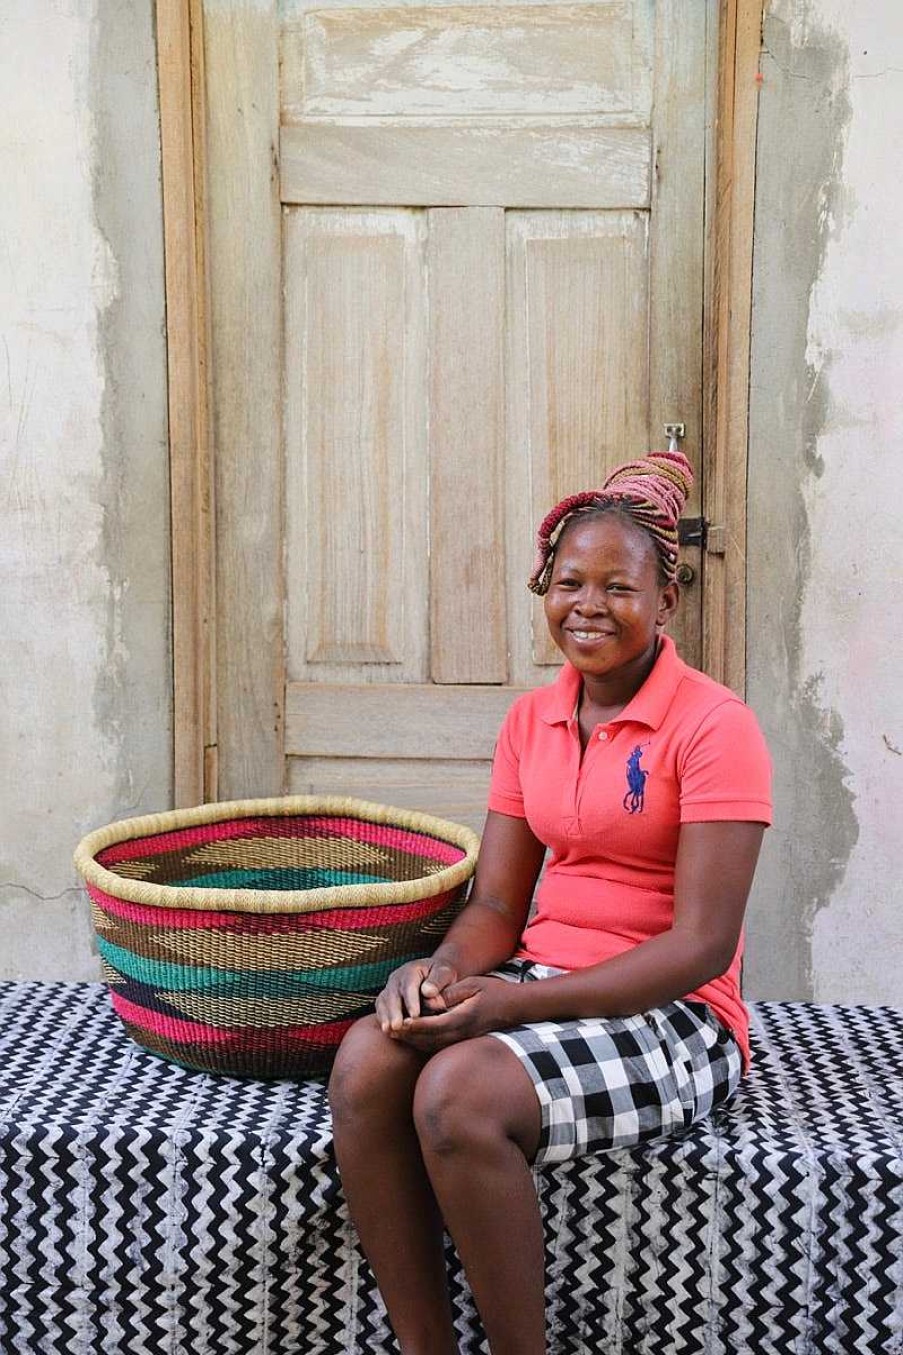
(426, 1005)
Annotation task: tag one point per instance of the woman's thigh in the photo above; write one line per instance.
(618, 1081)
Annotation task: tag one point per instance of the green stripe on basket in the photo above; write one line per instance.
(280, 877)
(260, 982)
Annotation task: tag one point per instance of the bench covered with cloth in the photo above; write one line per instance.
(148, 1210)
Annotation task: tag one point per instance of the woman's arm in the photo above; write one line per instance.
(489, 928)
(485, 933)
(714, 871)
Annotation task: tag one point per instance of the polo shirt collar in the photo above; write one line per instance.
(648, 707)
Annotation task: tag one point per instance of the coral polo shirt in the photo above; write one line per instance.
(684, 750)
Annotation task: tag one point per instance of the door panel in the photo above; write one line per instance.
(577, 378)
(355, 446)
(397, 61)
(490, 271)
(382, 720)
(468, 618)
(425, 165)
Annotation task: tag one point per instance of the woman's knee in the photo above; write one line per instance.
(370, 1073)
(474, 1093)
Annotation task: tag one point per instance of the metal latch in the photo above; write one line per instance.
(674, 432)
(693, 532)
(700, 532)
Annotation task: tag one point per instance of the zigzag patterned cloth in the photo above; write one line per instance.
(148, 1209)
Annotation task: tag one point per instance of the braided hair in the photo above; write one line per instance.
(651, 491)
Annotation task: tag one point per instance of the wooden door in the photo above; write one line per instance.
(456, 271)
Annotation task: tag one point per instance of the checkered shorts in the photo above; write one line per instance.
(612, 1082)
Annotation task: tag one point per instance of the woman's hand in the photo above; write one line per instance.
(482, 936)
(415, 987)
(473, 1006)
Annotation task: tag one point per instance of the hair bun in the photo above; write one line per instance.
(653, 490)
(662, 480)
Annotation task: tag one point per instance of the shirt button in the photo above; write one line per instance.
(603, 735)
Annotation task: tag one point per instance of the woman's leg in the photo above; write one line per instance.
(388, 1192)
(478, 1121)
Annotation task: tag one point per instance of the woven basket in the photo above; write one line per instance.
(246, 937)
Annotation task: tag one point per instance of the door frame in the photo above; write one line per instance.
(180, 68)
(730, 191)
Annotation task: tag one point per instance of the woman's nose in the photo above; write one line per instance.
(590, 602)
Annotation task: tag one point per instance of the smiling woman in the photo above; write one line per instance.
(611, 1017)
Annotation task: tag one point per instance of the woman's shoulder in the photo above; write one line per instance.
(723, 761)
(699, 689)
(526, 711)
(705, 704)
(680, 697)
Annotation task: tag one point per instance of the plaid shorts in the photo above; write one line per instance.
(612, 1082)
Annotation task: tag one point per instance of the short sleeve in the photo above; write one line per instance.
(726, 769)
(505, 792)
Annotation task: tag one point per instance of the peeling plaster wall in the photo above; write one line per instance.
(825, 489)
(84, 665)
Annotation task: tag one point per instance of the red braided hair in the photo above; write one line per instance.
(651, 490)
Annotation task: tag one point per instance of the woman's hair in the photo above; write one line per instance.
(651, 492)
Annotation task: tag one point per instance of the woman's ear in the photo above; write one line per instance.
(668, 599)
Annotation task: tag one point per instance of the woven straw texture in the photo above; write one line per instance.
(245, 938)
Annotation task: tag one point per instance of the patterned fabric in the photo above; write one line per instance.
(264, 993)
(619, 1081)
(147, 1209)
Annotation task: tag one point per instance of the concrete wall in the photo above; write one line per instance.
(84, 612)
(826, 486)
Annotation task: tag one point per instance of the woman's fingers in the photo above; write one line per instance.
(429, 1033)
(415, 989)
(462, 989)
(388, 1004)
(400, 995)
(411, 986)
(438, 977)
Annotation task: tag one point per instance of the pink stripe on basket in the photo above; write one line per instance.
(156, 843)
(264, 1038)
(194, 1032)
(419, 844)
(348, 919)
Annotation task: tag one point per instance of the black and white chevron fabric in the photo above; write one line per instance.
(145, 1210)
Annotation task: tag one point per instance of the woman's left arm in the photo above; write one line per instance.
(713, 875)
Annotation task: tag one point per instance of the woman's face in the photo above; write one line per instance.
(605, 601)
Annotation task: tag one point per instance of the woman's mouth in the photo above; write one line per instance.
(589, 635)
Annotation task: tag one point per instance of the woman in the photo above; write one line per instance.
(614, 1015)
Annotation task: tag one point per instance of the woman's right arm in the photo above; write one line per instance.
(487, 931)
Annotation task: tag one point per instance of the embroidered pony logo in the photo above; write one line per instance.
(636, 782)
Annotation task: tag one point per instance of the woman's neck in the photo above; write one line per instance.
(607, 694)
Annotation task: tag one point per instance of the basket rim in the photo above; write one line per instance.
(275, 900)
